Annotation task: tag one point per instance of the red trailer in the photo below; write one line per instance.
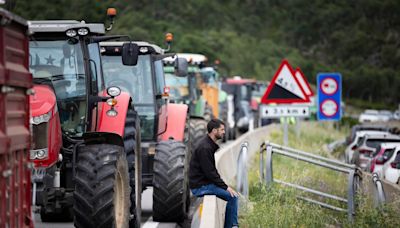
(15, 81)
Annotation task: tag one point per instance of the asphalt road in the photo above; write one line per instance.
(147, 221)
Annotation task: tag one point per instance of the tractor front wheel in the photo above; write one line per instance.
(102, 192)
(170, 182)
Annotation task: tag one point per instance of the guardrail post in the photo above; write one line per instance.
(350, 195)
(262, 149)
(268, 165)
(380, 194)
(242, 183)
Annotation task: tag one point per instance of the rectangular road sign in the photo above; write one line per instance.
(329, 96)
(268, 111)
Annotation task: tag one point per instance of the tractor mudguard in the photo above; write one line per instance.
(114, 124)
(176, 121)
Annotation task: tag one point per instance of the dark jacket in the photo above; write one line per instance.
(202, 169)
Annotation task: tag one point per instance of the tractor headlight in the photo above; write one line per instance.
(143, 49)
(39, 154)
(41, 119)
(83, 31)
(70, 33)
(113, 91)
(112, 113)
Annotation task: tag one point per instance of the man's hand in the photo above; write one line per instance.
(232, 192)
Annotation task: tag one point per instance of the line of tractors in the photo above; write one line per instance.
(109, 117)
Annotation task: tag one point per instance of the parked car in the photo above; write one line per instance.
(369, 115)
(391, 169)
(386, 151)
(358, 136)
(367, 148)
(364, 127)
(385, 115)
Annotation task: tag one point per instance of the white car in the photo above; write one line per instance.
(367, 148)
(391, 169)
(385, 115)
(369, 115)
(358, 136)
(385, 152)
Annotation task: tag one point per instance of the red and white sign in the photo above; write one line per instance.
(329, 107)
(329, 86)
(287, 86)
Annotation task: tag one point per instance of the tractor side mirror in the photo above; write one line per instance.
(181, 67)
(130, 54)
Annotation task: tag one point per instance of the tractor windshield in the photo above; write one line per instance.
(178, 87)
(137, 81)
(59, 64)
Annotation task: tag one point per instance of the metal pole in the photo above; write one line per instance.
(285, 131)
(350, 196)
(262, 149)
(297, 127)
(269, 175)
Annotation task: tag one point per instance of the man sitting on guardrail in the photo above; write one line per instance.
(204, 178)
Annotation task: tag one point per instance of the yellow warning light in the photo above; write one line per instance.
(169, 37)
(111, 12)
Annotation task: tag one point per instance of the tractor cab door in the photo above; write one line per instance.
(161, 99)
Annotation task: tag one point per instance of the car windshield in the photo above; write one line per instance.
(375, 143)
(59, 64)
(136, 80)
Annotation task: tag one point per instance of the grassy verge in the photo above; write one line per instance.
(279, 205)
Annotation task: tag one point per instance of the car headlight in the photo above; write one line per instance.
(41, 119)
(39, 154)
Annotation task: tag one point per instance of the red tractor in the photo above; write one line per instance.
(15, 84)
(165, 138)
(86, 136)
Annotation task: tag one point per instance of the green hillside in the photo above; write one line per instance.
(359, 38)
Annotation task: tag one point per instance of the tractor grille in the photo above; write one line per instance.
(40, 136)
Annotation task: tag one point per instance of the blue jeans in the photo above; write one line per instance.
(231, 214)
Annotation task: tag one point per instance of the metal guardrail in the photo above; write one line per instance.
(266, 175)
(242, 184)
(379, 191)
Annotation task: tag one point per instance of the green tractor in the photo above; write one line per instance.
(189, 90)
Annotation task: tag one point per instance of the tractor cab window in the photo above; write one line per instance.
(137, 81)
(59, 64)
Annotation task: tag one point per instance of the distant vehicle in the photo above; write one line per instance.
(396, 115)
(369, 115)
(367, 147)
(391, 169)
(386, 151)
(385, 115)
(364, 127)
(358, 136)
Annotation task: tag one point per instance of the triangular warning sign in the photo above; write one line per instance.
(303, 82)
(285, 87)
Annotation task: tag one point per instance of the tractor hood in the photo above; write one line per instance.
(43, 101)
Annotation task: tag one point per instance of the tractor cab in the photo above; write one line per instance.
(240, 116)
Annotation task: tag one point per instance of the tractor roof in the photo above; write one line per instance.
(193, 59)
(154, 48)
(63, 26)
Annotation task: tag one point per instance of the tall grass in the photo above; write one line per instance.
(279, 206)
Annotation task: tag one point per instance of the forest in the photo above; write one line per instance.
(358, 38)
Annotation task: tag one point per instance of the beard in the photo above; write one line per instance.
(219, 136)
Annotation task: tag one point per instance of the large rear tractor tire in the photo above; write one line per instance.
(102, 192)
(198, 129)
(171, 187)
